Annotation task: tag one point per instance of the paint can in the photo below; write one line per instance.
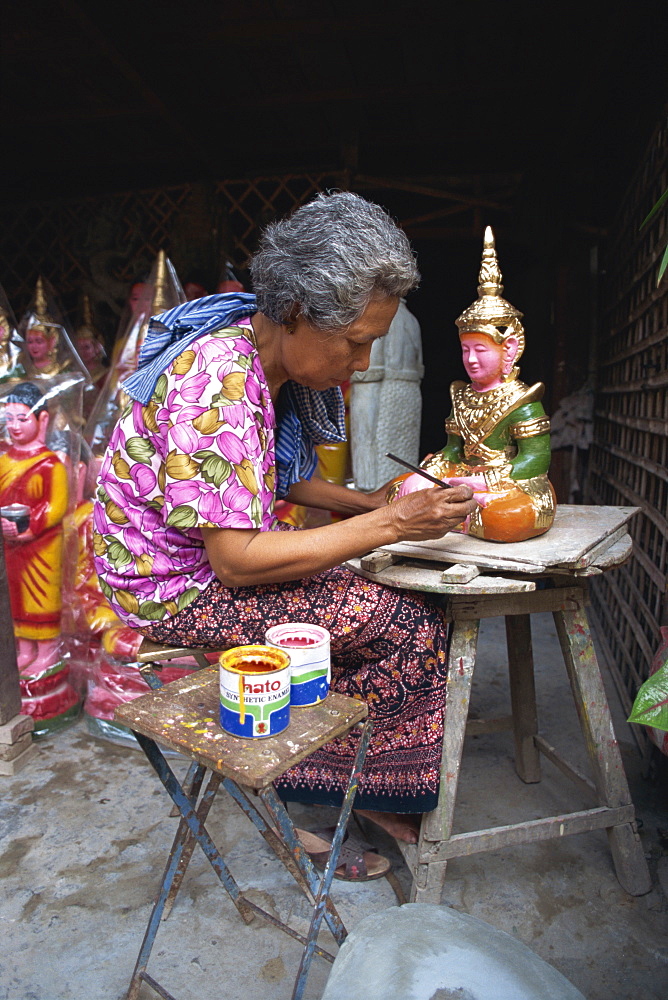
(254, 691)
(310, 665)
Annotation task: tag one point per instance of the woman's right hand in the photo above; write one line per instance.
(431, 512)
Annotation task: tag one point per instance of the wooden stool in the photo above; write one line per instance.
(584, 541)
(183, 716)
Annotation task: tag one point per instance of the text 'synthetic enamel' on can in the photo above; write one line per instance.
(254, 691)
(308, 646)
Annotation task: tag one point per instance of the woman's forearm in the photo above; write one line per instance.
(242, 558)
(248, 557)
(329, 496)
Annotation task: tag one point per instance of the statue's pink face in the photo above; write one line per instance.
(140, 297)
(22, 425)
(38, 345)
(483, 360)
(88, 349)
(488, 363)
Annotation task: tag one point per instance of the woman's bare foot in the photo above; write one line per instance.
(403, 826)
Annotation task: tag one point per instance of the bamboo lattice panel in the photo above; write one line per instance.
(629, 458)
(104, 243)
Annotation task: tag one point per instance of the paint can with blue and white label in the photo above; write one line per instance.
(308, 647)
(254, 691)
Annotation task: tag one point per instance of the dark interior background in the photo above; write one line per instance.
(530, 117)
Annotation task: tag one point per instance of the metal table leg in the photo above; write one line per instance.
(286, 845)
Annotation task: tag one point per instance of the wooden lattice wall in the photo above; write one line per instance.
(629, 458)
(102, 244)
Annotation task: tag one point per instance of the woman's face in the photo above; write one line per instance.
(321, 360)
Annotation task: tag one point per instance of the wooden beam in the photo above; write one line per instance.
(362, 180)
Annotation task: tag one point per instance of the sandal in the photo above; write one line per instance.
(358, 861)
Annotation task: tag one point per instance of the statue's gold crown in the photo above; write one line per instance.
(41, 314)
(490, 313)
(87, 328)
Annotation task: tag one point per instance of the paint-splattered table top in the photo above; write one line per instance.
(184, 716)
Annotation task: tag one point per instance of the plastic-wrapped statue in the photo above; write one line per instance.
(90, 345)
(386, 403)
(498, 434)
(48, 348)
(166, 292)
(33, 499)
(11, 344)
(33, 504)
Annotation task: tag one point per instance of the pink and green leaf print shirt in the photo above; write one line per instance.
(199, 454)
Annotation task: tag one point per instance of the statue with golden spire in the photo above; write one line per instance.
(166, 293)
(11, 344)
(48, 349)
(498, 433)
(90, 343)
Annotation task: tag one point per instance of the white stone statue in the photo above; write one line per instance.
(386, 404)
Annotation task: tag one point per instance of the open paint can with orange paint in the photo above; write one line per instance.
(254, 691)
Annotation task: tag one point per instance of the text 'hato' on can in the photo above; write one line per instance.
(254, 691)
(310, 664)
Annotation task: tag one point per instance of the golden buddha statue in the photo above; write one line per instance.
(90, 344)
(498, 434)
(166, 293)
(10, 366)
(42, 335)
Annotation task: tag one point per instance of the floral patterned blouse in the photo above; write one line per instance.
(200, 454)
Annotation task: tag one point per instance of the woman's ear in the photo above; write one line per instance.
(290, 322)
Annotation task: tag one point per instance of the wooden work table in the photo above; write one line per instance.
(480, 579)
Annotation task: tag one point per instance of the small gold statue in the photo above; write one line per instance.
(166, 292)
(498, 433)
(10, 344)
(43, 334)
(90, 344)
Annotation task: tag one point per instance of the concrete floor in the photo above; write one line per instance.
(84, 832)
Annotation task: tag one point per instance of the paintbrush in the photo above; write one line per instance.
(414, 468)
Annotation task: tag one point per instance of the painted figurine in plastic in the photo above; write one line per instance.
(41, 334)
(48, 347)
(11, 344)
(166, 292)
(33, 499)
(498, 434)
(90, 345)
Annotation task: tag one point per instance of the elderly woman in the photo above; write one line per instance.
(231, 396)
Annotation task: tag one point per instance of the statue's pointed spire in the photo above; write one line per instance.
(490, 314)
(490, 273)
(161, 289)
(41, 304)
(87, 312)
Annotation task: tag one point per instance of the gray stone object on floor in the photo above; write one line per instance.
(425, 952)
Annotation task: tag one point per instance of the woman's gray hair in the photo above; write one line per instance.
(328, 259)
